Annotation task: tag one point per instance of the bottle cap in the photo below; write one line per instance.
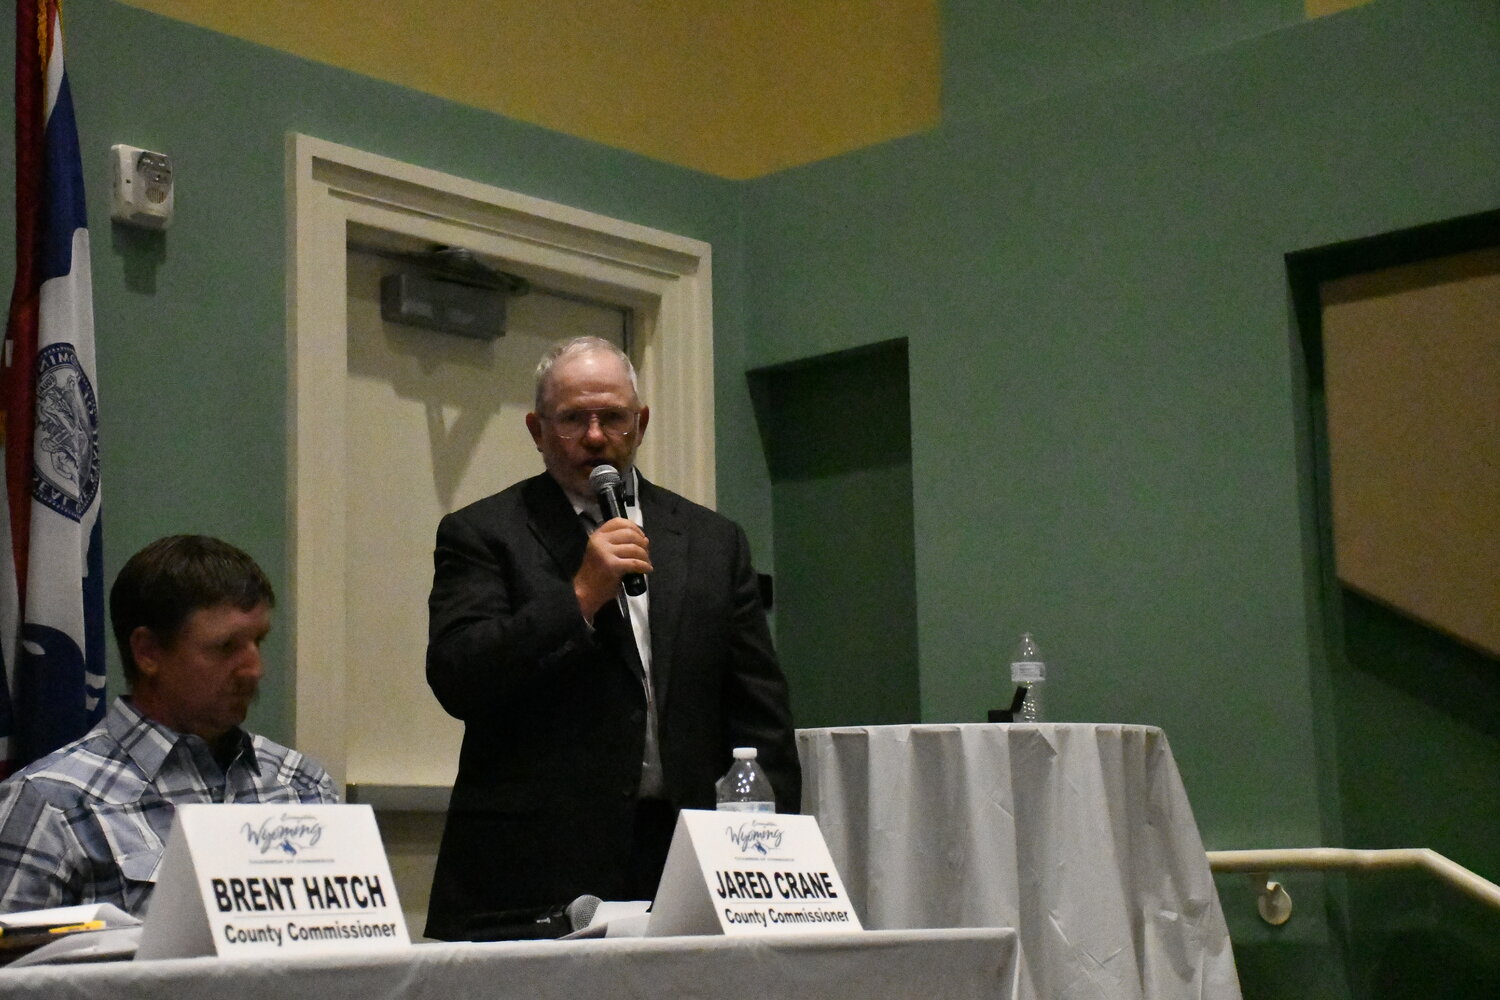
(744, 753)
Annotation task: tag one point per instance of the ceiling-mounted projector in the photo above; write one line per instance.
(449, 290)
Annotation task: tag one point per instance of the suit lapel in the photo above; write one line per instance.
(666, 528)
(552, 521)
(556, 525)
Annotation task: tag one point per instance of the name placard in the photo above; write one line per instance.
(273, 878)
(750, 873)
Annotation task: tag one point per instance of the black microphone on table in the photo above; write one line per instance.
(581, 911)
(610, 489)
(531, 923)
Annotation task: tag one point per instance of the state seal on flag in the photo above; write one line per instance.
(65, 447)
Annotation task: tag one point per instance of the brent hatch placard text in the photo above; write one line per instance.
(286, 879)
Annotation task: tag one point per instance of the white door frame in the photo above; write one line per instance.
(667, 279)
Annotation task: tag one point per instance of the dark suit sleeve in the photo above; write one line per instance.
(757, 710)
(495, 627)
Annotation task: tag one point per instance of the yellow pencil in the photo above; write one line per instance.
(87, 925)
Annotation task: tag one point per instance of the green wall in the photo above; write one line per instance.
(1109, 438)
(837, 433)
(191, 322)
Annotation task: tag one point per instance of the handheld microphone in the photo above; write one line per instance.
(607, 485)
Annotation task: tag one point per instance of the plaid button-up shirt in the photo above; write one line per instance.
(88, 823)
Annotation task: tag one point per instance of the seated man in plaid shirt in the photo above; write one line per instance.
(88, 823)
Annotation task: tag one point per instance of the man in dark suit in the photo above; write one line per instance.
(590, 718)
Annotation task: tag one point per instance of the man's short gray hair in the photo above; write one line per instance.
(571, 348)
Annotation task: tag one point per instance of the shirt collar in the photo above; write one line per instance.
(591, 504)
(148, 743)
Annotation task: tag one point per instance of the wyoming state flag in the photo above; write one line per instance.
(52, 584)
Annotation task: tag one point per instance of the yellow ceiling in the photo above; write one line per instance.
(1318, 8)
(737, 88)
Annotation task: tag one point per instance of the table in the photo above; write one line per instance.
(923, 965)
(1079, 836)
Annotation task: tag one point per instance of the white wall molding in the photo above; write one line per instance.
(666, 279)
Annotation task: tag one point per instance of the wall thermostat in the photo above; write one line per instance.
(141, 193)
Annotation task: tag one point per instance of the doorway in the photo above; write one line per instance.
(837, 435)
(388, 428)
(433, 421)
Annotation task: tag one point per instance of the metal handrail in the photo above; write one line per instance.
(1276, 905)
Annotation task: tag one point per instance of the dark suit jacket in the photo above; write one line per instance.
(554, 713)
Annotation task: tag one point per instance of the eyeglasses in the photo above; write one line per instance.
(615, 422)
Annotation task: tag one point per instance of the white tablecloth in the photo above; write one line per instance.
(982, 964)
(1078, 836)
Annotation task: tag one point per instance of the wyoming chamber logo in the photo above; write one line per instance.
(66, 442)
(755, 837)
(287, 835)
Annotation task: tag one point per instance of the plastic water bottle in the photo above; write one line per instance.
(1029, 672)
(745, 788)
